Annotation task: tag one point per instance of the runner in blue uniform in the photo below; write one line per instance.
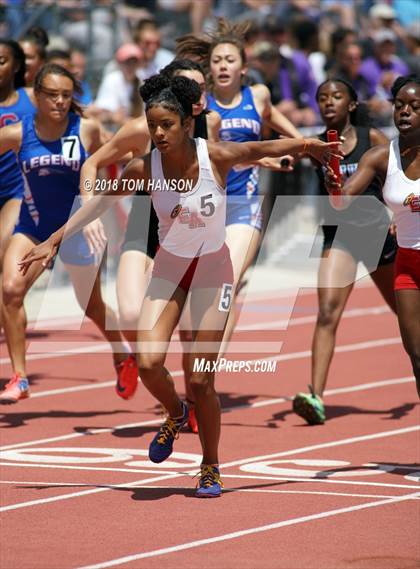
(15, 102)
(243, 110)
(51, 147)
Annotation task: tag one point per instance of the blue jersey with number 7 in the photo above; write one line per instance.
(51, 173)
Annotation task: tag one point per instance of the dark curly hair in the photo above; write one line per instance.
(401, 82)
(19, 57)
(360, 115)
(54, 69)
(177, 94)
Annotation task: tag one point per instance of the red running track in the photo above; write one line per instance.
(78, 491)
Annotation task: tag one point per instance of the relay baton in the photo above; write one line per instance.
(334, 163)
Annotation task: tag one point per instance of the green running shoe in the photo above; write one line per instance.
(310, 407)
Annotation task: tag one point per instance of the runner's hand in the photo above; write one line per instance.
(44, 252)
(322, 151)
(332, 183)
(95, 236)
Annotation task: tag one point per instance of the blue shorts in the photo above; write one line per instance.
(73, 251)
(240, 209)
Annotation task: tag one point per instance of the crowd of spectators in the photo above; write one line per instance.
(292, 46)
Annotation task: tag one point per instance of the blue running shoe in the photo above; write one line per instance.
(162, 445)
(209, 485)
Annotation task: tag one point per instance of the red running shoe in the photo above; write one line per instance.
(16, 389)
(128, 377)
(192, 420)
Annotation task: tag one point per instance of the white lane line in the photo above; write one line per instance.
(279, 358)
(189, 489)
(310, 319)
(359, 482)
(267, 402)
(274, 479)
(330, 444)
(251, 298)
(77, 388)
(92, 468)
(225, 465)
(92, 348)
(250, 531)
(336, 391)
(95, 490)
(103, 346)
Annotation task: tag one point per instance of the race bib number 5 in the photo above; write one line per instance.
(225, 297)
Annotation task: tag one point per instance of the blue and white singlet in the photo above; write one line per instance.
(51, 173)
(11, 181)
(241, 124)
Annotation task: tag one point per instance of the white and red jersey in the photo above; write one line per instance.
(402, 196)
(191, 223)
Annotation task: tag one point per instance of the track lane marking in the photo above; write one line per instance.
(279, 358)
(157, 421)
(291, 452)
(300, 320)
(359, 482)
(249, 531)
(189, 489)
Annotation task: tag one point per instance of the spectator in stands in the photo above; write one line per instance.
(296, 83)
(186, 16)
(412, 42)
(306, 35)
(238, 10)
(289, 11)
(99, 26)
(34, 43)
(78, 63)
(380, 72)
(348, 63)
(154, 58)
(384, 17)
(340, 38)
(118, 96)
(339, 11)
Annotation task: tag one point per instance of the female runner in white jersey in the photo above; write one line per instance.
(244, 109)
(398, 166)
(192, 258)
(139, 247)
